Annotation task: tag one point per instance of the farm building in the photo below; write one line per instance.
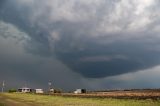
(78, 91)
(40, 91)
(25, 90)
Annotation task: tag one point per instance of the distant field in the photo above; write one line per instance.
(17, 99)
(119, 94)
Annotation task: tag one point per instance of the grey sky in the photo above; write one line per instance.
(85, 43)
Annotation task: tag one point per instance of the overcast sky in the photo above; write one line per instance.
(93, 44)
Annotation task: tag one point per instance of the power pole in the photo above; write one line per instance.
(49, 85)
(3, 85)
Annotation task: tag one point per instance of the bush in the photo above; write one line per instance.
(12, 90)
(57, 91)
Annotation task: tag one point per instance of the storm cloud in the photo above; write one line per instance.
(90, 39)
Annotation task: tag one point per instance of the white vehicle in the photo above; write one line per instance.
(78, 91)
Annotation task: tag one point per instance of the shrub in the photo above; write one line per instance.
(58, 91)
(12, 90)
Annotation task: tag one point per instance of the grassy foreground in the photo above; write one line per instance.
(42, 100)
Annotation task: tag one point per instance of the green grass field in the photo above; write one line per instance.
(42, 100)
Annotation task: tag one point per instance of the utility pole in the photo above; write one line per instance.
(3, 85)
(49, 85)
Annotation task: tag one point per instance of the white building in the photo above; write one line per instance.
(40, 91)
(25, 90)
(51, 90)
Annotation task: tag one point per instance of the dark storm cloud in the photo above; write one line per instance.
(112, 59)
(18, 67)
(93, 38)
(13, 13)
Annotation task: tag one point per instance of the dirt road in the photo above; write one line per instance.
(6, 101)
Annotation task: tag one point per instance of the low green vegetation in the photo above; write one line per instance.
(12, 90)
(46, 100)
(1, 104)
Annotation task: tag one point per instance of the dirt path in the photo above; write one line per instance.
(6, 101)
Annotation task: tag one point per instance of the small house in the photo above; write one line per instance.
(25, 90)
